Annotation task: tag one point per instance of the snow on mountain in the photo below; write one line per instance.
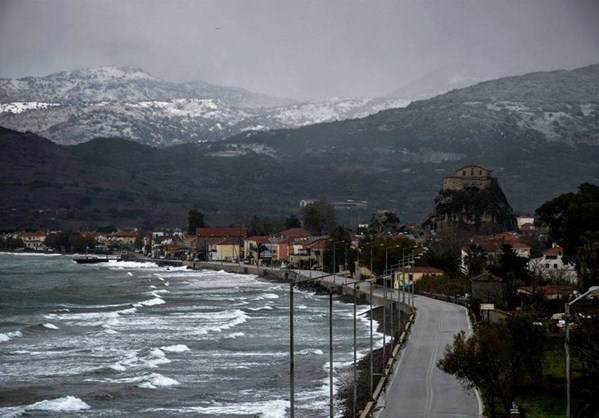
(76, 106)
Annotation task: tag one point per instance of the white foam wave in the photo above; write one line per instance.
(151, 302)
(131, 265)
(308, 351)
(50, 326)
(268, 296)
(276, 408)
(7, 336)
(231, 319)
(34, 254)
(64, 404)
(235, 335)
(177, 348)
(127, 311)
(263, 308)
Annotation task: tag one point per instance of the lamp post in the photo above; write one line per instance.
(292, 283)
(592, 290)
(356, 285)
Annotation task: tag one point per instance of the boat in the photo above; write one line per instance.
(90, 259)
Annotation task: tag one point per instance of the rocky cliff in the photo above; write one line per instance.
(472, 210)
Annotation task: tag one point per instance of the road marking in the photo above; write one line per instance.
(431, 367)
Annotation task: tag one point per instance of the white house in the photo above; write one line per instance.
(552, 265)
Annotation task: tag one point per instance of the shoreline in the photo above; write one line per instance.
(345, 393)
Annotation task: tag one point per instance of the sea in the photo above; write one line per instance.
(127, 339)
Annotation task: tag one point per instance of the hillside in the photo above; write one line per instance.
(395, 159)
(76, 106)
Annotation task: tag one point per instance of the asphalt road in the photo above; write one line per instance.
(419, 388)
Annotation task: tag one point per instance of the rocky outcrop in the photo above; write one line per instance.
(472, 209)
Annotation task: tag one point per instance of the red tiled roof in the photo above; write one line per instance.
(295, 233)
(318, 244)
(486, 277)
(221, 232)
(549, 289)
(519, 245)
(223, 241)
(557, 250)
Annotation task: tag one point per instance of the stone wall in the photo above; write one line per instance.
(459, 183)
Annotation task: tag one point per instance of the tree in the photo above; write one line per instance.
(11, 243)
(513, 270)
(70, 241)
(585, 349)
(500, 359)
(384, 222)
(293, 222)
(107, 229)
(475, 260)
(573, 221)
(319, 217)
(195, 220)
(446, 260)
(339, 251)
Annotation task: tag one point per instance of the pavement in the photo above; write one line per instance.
(418, 387)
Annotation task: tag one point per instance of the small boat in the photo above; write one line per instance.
(90, 259)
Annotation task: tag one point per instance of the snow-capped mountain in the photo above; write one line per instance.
(76, 106)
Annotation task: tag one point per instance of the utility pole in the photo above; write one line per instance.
(291, 354)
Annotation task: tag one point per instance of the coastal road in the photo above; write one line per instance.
(419, 388)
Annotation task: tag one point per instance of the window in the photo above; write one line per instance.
(480, 172)
(555, 266)
(463, 172)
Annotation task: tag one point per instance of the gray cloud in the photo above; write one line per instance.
(299, 48)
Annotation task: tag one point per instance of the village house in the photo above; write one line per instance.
(489, 289)
(415, 273)
(34, 241)
(226, 236)
(223, 249)
(493, 247)
(551, 265)
(256, 248)
(549, 292)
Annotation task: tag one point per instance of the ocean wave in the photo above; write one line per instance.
(268, 296)
(157, 380)
(7, 336)
(276, 408)
(127, 311)
(64, 404)
(177, 348)
(151, 302)
(35, 254)
(145, 381)
(50, 326)
(236, 335)
(131, 265)
(262, 308)
(309, 351)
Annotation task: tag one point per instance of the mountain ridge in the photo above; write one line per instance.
(538, 139)
(76, 106)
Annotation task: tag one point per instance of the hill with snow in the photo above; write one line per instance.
(76, 106)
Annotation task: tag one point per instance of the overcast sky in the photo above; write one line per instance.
(295, 48)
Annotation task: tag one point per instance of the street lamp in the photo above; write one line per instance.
(592, 290)
(356, 285)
